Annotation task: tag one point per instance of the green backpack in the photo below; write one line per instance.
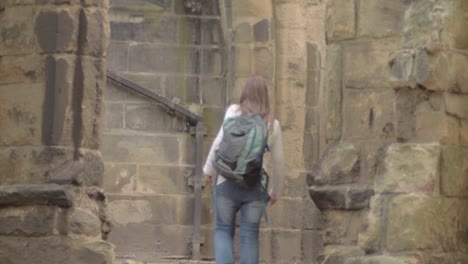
(240, 154)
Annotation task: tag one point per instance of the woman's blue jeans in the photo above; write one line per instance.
(229, 198)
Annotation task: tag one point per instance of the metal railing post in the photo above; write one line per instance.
(197, 186)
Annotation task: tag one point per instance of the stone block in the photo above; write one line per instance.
(385, 260)
(378, 19)
(370, 239)
(83, 222)
(261, 31)
(184, 89)
(341, 197)
(264, 62)
(152, 58)
(312, 246)
(141, 148)
(366, 64)
(432, 70)
(138, 240)
(458, 74)
(212, 61)
(339, 254)
(27, 220)
(152, 82)
(17, 30)
(434, 125)
(282, 214)
(289, 15)
(96, 252)
(211, 32)
(120, 177)
(114, 116)
(21, 108)
(163, 179)
(117, 56)
(333, 88)
(158, 27)
(94, 33)
(340, 20)
(455, 25)
(243, 61)
(257, 9)
(148, 117)
(408, 228)
(171, 209)
(21, 69)
(454, 171)
(286, 246)
(311, 217)
(213, 91)
(457, 105)
(368, 115)
(32, 194)
(124, 212)
(90, 84)
(464, 133)
(409, 168)
(310, 147)
(340, 164)
(40, 250)
(243, 33)
(313, 75)
(402, 65)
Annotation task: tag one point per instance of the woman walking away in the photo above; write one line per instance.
(235, 164)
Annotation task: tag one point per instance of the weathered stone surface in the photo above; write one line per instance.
(125, 212)
(17, 30)
(96, 252)
(21, 69)
(457, 105)
(454, 171)
(312, 246)
(457, 36)
(366, 64)
(30, 194)
(380, 18)
(464, 133)
(370, 239)
(339, 197)
(84, 222)
(195, 8)
(339, 254)
(408, 228)
(402, 66)
(94, 32)
(212, 61)
(286, 246)
(119, 178)
(282, 214)
(117, 56)
(385, 260)
(27, 220)
(141, 148)
(20, 112)
(245, 8)
(333, 89)
(213, 117)
(447, 258)
(420, 31)
(458, 74)
(213, 93)
(243, 61)
(368, 115)
(409, 168)
(243, 33)
(340, 20)
(153, 58)
(164, 179)
(261, 31)
(432, 70)
(340, 164)
(313, 74)
(114, 116)
(264, 62)
(148, 118)
(211, 32)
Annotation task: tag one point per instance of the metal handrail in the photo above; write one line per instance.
(199, 132)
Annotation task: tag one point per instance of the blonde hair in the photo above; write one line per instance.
(254, 98)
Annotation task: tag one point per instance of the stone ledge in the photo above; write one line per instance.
(35, 194)
(341, 197)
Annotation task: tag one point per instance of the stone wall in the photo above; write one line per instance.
(392, 183)
(52, 79)
(175, 49)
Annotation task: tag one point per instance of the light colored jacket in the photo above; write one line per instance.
(276, 159)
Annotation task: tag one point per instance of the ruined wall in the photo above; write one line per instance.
(52, 79)
(176, 50)
(392, 183)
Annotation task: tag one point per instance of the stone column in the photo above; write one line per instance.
(52, 79)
